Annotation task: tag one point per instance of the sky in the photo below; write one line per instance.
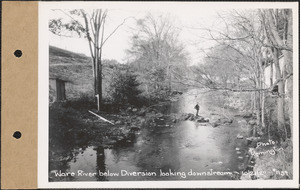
(185, 17)
(188, 16)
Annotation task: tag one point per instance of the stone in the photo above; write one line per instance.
(188, 116)
(239, 136)
(119, 122)
(159, 115)
(240, 157)
(253, 138)
(237, 149)
(192, 118)
(142, 113)
(134, 109)
(249, 115)
(215, 124)
(252, 122)
(225, 120)
(202, 120)
(134, 128)
(242, 122)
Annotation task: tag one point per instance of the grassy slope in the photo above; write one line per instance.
(77, 69)
(72, 67)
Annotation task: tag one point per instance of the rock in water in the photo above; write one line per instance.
(252, 122)
(215, 125)
(119, 122)
(225, 120)
(247, 115)
(239, 136)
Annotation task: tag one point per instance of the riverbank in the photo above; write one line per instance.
(156, 134)
(167, 137)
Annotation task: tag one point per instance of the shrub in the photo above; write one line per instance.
(124, 87)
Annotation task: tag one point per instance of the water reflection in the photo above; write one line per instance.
(179, 149)
(186, 146)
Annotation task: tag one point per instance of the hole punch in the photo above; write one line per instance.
(17, 134)
(18, 53)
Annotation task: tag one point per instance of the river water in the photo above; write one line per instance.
(186, 151)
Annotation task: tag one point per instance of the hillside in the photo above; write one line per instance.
(77, 70)
(55, 51)
(74, 68)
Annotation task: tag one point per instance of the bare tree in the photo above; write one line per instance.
(278, 31)
(156, 52)
(93, 28)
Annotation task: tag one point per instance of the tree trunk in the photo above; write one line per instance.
(271, 73)
(99, 87)
(263, 124)
(288, 64)
(280, 99)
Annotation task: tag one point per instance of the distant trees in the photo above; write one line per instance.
(252, 40)
(156, 54)
(91, 26)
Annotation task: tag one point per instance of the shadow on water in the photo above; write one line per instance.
(186, 150)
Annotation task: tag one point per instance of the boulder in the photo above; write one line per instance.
(159, 115)
(201, 121)
(239, 136)
(225, 120)
(248, 115)
(119, 122)
(188, 116)
(215, 125)
(142, 113)
(192, 118)
(252, 122)
(134, 128)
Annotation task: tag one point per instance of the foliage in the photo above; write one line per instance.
(156, 55)
(279, 166)
(124, 87)
(251, 41)
(91, 26)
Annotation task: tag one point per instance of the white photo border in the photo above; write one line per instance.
(43, 105)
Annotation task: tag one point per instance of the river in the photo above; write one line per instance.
(185, 151)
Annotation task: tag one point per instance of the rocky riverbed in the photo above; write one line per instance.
(165, 137)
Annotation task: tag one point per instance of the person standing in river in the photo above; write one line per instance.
(197, 107)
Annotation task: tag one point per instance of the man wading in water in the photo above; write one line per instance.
(197, 107)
